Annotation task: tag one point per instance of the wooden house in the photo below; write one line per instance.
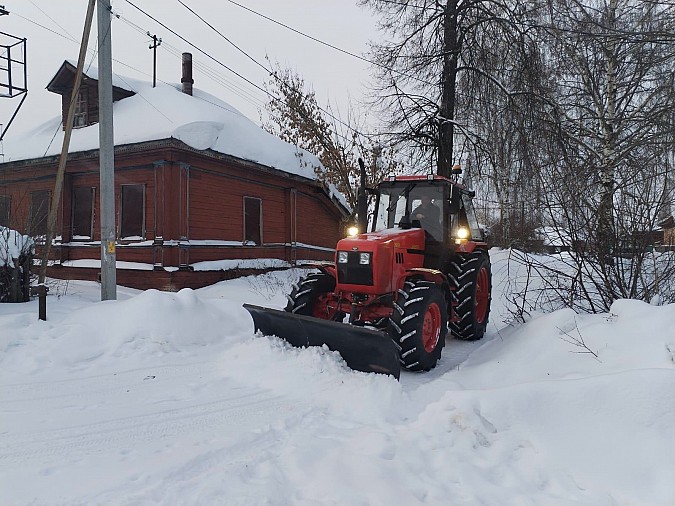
(667, 226)
(198, 188)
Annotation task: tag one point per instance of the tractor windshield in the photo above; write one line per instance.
(416, 205)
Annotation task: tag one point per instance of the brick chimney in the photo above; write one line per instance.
(186, 80)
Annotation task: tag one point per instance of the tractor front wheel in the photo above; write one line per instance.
(309, 297)
(419, 324)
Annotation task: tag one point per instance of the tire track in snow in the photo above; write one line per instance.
(99, 383)
(244, 410)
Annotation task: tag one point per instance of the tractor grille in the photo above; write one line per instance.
(353, 273)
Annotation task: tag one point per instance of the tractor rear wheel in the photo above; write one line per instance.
(419, 324)
(309, 297)
(472, 277)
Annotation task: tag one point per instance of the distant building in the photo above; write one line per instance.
(667, 227)
(553, 239)
(195, 183)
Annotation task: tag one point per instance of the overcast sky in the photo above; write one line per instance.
(53, 30)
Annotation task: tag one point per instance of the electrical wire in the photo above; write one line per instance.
(269, 71)
(336, 48)
(210, 72)
(52, 20)
(266, 92)
(201, 50)
(67, 36)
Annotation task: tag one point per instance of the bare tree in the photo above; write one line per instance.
(609, 123)
(298, 119)
(419, 70)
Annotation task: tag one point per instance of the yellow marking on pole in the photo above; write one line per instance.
(111, 247)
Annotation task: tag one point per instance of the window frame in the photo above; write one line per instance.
(246, 240)
(80, 117)
(5, 204)
(122, 214)
(82, 237)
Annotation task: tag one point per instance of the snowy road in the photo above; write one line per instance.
(151, 405)
(128, 419)
(75, 417)
(175, 401)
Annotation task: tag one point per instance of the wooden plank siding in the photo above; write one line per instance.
(90, 87)
(191, 198)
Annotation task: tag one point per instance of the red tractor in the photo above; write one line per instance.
(393, 292)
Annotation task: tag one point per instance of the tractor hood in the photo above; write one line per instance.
(412, 238)
(374, 262)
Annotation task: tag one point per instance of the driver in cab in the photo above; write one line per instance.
(427, 213)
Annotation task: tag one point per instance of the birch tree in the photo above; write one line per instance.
(610, 129)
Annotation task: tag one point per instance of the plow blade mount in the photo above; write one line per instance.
(363, 349)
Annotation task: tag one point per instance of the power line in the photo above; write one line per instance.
(67, 37)
(302, 33)
(336, 48)
(219, 78)
(213, 74)
(52, 19)
(200, 49)
(269, 71)
(266, 92)
(209, 71)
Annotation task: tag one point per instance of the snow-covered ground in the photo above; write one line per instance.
(169, 398)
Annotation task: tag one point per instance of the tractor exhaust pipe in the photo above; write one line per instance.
(362, 200)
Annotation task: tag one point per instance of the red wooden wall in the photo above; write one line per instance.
(193, 206)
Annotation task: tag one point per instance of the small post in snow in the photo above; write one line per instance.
(41, 291)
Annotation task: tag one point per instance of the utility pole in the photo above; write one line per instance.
(155, 44)
(106, 153)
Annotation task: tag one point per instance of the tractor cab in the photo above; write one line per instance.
(440, 206)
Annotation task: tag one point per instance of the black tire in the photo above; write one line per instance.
(419, 302)
(305, 298)
(472, 277)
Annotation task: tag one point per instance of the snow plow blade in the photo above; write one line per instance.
(363, 349)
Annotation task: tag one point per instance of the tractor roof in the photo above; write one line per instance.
(426, 178)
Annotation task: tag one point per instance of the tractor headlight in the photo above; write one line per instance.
(462, 233)
(342, 257)
(352, 231)
(364, 258)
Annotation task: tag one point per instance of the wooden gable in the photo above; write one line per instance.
(87, 112)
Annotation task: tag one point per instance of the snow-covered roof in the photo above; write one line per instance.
(202, 121)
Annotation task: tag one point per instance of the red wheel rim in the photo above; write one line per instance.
(322, 309)
(482, 294)
(431, 328)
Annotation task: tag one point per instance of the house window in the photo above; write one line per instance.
(252, 220)
(80, 118)
(132, 212)
(39, 211)
(83, 213)
(5, 202)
